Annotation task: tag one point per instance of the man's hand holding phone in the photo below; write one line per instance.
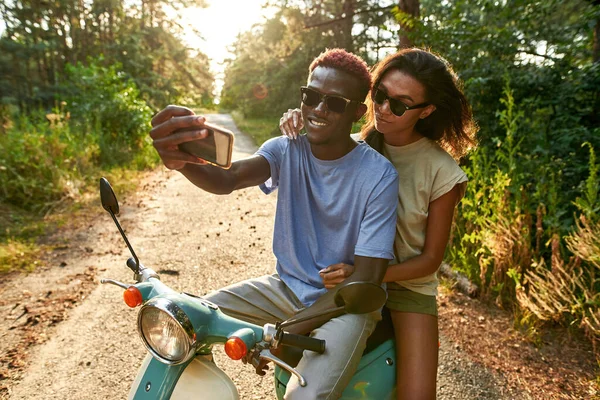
(166, 138)
(215, 147)
(184, 140)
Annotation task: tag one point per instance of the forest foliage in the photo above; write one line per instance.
(79, 82)
(528, 230)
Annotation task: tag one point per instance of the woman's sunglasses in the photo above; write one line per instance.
(336, 104)
(397, 107)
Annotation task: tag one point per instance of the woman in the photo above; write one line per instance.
(420, 120)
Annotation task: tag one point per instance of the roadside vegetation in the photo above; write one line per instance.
(261, 129)
(79, 85)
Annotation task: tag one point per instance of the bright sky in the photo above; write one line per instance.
(219, 25)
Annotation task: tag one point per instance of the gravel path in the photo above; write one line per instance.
(200, 242)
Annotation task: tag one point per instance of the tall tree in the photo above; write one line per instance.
(596, 35)
(40, 39)
(409, 12)
(361, 26)
(271, 60)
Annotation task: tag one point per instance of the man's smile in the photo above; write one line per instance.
(317, 121)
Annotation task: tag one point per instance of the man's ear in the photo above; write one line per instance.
(360, 111)
(427, 111)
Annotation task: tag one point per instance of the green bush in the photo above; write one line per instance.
(108, 106)
(260, 129)
(510, 235)
(566, 288)
(103, 124)
(42, 163)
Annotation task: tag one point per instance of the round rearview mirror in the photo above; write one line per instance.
(108, 198)
(360, 297)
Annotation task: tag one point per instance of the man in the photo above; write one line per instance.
(336, 203)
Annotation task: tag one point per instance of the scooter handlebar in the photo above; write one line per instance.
(132, 265)
(303, 342)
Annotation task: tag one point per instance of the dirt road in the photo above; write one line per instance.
(197, 242)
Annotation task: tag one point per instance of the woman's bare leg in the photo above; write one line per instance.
(417, 355)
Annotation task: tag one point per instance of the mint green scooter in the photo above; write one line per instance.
(179, 330)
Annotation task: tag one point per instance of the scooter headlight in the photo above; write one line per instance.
(166, 331)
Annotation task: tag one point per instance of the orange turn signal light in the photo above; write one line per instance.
(235, 348)
(132, 297)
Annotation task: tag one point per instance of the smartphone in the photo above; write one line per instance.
(215, 149)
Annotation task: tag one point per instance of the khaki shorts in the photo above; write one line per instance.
(405, 300)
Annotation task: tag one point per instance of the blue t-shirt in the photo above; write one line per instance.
(328, 210)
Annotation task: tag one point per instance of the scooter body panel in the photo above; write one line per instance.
(199, 378)
(375, 377)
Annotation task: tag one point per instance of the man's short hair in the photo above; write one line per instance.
(351, 63)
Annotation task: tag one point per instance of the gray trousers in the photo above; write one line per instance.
(268, 300)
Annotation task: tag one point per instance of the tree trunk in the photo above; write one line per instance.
(596, 45)
(151, 14)
(39, 54)
(462, 283)
(18, 86)
(596, 59)
(143, 15)
(347, 25)
(77, 31)
(412, 8)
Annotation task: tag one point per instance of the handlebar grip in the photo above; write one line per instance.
(303, 342)
(131, 264)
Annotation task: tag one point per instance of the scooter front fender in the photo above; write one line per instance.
(199, 378)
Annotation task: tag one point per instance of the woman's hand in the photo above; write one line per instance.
(291, 123)
(335, 274)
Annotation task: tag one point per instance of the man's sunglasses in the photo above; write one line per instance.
(397, 107)
(336, 104)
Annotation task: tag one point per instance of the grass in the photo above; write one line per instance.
(20, 245)
(260, 129)
(204, 110)
(18, 251)
(19, 255)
